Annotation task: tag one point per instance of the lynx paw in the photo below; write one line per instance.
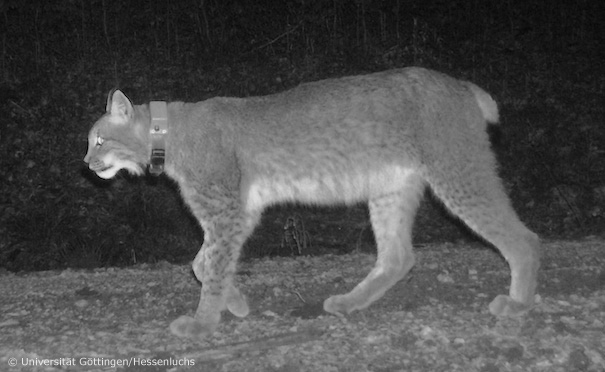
(236, 303)
(503, 305)
(338, 305)
(186, 326)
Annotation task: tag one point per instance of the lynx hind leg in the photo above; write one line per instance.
(478, 198)
(392, 217)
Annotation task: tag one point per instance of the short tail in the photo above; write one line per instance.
(486, 103)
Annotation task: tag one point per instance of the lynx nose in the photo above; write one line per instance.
(87, 157)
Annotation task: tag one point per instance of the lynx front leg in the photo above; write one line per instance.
(392, 217)
(214, 266)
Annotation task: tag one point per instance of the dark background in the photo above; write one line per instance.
(541, 60)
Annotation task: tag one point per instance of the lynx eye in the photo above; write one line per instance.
(100, 141)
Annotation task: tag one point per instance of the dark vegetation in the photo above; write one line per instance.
(542, 61)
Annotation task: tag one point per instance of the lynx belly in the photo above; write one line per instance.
(323, 188)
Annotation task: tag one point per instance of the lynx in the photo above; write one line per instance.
(378, 138)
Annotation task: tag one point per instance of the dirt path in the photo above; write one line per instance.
(436, 320)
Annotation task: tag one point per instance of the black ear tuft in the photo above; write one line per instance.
(109, 95)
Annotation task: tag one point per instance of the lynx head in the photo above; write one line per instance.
(119, 139)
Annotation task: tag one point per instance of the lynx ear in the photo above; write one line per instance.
(119, 106)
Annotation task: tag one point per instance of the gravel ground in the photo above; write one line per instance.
(434, 320)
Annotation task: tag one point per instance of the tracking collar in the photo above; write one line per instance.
(157, 131)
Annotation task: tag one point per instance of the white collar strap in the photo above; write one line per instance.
(157, 132)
